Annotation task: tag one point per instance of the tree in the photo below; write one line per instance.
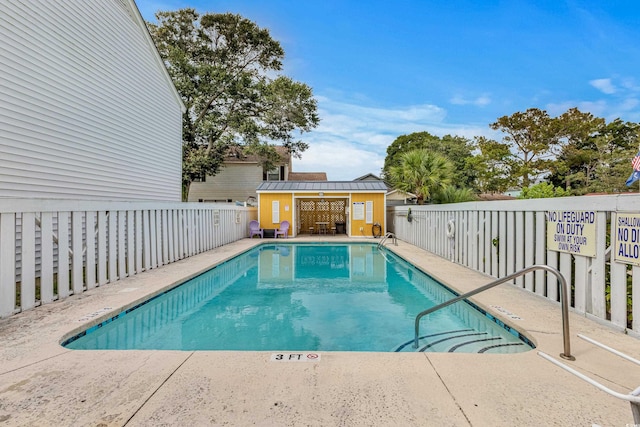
(452, 194)
(422, 173)
(532, 136)
(576, 163)
(543, 190)
(596, 156)
(616, 144)
(226, 68)
(456, 149)
(403, 144)
(493, 166)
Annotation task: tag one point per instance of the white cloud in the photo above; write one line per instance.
(629, 104)
(624, 108)
(341, 161)
(480, 101)
(352, 139)
(630, 84)
(603, 85)
(597, 108)
(624, 104)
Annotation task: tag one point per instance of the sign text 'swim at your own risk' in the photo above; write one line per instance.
(573, 232)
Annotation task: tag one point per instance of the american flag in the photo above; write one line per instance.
(635, 175)
(635, 162)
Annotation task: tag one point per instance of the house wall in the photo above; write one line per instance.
(285, 212)
(379, 209)
(88, 110)
(400, 197)
(266, 199)
(235, 181)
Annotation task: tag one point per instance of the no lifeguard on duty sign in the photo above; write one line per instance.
(573, 232)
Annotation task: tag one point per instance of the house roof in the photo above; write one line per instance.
(307, 176)
(402, 193)
(494, 196)
(315, 186)
(372, 177)
(368, 177)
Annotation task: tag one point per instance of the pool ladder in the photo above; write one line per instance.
(386, 237)
(564, 304)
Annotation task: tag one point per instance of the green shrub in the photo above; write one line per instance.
(544, 190)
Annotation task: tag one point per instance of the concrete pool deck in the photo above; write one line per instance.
(42, 383)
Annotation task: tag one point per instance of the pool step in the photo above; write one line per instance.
(462, 341)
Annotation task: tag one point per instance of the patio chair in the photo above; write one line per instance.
(254, 229)
(283, 230)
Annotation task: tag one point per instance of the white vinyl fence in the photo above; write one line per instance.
(50, 249)
(501, 237)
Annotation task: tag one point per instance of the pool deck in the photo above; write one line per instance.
(42, 383)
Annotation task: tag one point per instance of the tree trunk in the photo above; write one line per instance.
(185, 191)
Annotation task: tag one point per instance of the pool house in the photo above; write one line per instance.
(354, 208)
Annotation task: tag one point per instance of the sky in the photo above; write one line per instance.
(382, 69)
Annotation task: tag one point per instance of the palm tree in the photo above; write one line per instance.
(421, 172)
(453, 194)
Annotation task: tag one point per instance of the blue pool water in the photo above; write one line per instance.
(305, 297)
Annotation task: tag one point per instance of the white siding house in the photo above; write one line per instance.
(239, 177)
(87, 109)
(234, 182)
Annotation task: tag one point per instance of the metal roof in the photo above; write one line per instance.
(336, 186)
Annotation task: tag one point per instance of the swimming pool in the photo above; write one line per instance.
(305, 297)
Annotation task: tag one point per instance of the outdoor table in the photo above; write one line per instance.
(322, 227)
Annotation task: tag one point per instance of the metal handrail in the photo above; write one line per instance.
(632, 397)
(563, 303)
(386, 236)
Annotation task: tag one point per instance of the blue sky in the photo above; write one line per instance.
(384, 69)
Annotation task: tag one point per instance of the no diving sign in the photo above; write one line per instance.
(295, 357)
(626, 238)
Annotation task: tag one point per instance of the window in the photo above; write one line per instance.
(368, 212)
(200, 178)
(275, 174)
(275, 212)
